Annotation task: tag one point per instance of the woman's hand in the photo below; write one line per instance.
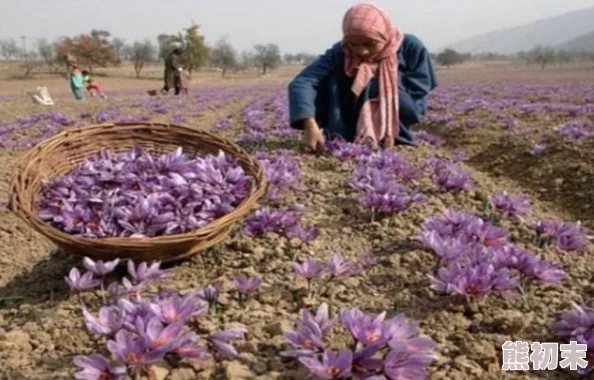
(313, 137)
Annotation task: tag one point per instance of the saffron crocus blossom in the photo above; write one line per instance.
(578, 325)
(402, 362)
(304, 233)
(510, 205)
(334, 365)
(193, 349)
(473, 281)
(379, 343)
(98, 367)
(178, 308)
(221, 341)
(209, 293)
(100, 267)
(108, 323)
(247, 285)
(366, 329)
(143, 272)
(130, 350)
(339, 268)
(308, 336)
(320, 319)
(78, 283)
(155, 335)
(309, 269)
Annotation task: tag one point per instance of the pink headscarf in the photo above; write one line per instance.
(378, 119)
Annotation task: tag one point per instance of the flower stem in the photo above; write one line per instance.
(103, 292)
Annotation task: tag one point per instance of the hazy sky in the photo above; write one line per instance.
(305, 25)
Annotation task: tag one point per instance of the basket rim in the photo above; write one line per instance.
(257, 190)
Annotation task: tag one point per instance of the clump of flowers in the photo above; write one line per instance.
(381, 348)
(578, 325)
(143, 328)
(283, 221)
(576, 129)
(282, 173)
(344, 150)
(378, 178)
(475, 257)
(449, 176)
(429, 138)
(510, 206)
(567, 236)
(335, 268)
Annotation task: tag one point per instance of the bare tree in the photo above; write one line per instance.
(140, 54)
(267, 57)
(223, 56)
(47, 51)
(9, 49)
(118, 47)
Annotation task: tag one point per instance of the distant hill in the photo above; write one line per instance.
(575, 29)
(581, 43)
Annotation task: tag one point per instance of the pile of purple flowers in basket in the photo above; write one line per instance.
(136, 194)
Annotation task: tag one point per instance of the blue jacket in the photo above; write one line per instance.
(322, 90)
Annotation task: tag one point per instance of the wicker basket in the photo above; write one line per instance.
(57, 155)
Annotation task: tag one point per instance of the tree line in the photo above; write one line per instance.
(99, 48)
(541, 55)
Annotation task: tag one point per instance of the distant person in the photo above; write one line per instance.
(184, 80)
(173, 69)
(75, 78)
(93, 86)
(371, 86)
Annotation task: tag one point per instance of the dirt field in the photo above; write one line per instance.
(495, 114)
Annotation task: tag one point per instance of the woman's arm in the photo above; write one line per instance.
(417, 80)
(303, 88)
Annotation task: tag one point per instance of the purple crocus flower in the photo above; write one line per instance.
(308, 337)
(78, 283)
(402, 362)
(509, 205)
(130, 350)
(220, 340)
(334, 365)
(320, 319)
(579, 321)
(247, 285)
(366, 364)
(570, 236)
(485, 233)
(304, 233)
(192, 349)
(144, 272)
(537, 149)
(109, 322)
(472, 280)
(97, 367)
(339, 268)
(366, 329)
(99, 267)
(209, 293)
(181, 309)
(309, 269)
(156, 336)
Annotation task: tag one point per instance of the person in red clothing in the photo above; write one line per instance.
(93, 86)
